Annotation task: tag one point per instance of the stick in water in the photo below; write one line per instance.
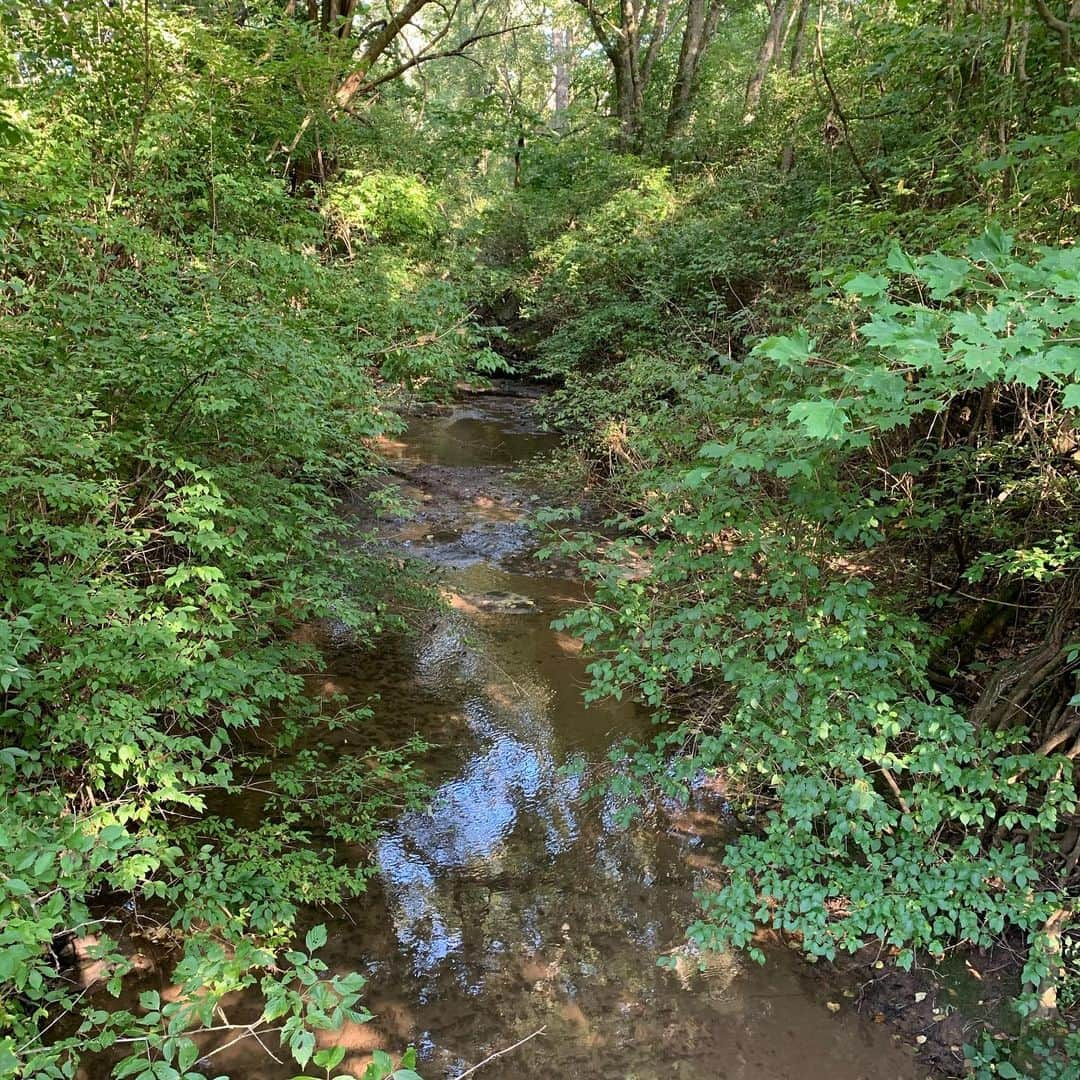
(499, 1053)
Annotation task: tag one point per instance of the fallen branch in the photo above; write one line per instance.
(894, 787)
(499, 1053)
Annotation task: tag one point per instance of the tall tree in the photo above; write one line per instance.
(787, 161)
(561, 47)
(702, 18)
(630, 35)
(380, 37)
(770, 47)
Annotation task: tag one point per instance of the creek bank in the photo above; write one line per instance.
(932, 1010)
(936, 1009)
(508, 902)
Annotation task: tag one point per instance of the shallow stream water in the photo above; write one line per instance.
(509, 904)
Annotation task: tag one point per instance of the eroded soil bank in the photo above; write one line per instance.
(509, 904)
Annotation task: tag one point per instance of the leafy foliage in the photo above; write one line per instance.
(190, 372)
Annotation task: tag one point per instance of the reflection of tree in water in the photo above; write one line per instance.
(468, 437)
(516, 906)
(487, 826)
(505, 849)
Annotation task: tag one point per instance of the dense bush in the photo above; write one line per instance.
(189, 373)
(849, 476)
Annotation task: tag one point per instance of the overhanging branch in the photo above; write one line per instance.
(423, 58)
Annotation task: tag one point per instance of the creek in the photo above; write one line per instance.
(509, 903)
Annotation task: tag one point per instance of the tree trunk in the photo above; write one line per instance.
(770, 46)
(561, 44)
(519, 150)
(341, 17)
(626, 99)
(1007, 697)
(630, 17)
(631, 66)
(657, 33)
(838, 114)
(787, 160)
(1047, 990)
(701, 22)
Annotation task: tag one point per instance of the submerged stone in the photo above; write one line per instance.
(504, 603)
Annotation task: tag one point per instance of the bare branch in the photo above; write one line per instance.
(423, 58)
(1063, 28)
(1059, 26)
(838, 109)
(380, 42)
(499, 1053)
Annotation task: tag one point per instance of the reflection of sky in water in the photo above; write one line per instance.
(490, 835)
(510, 781)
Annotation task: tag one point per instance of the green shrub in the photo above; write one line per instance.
(381, 206)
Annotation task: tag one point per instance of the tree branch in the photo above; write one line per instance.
(597, 23)
(1060, 26)
(870, 180)
(423, 58)
(657, 37)
(499, 1053)
(1063, 28)
(380, 42)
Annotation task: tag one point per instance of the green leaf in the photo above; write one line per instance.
(315, 938)
(790, 350)
(330, 1058)
(944, 274)
(301, 1046)
(820, 419)
(899, 261)
(187, 1055)
(9, 1063)
(795, 467)
(694, 478)
(994, 246)
(867, 285)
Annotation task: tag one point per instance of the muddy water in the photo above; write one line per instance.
(508, 904)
